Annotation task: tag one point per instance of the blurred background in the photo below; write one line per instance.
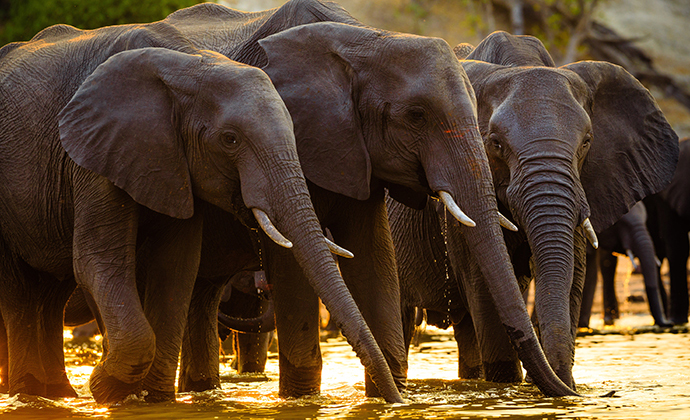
(650, 38)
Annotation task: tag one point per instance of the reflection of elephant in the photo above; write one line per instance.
(629, 235)
(103, 188)
(371, 109)
(669, 223)
(566, 145)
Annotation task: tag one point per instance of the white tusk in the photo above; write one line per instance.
(338, 250)
(455, 210)
(632, 259)
(270, 230)
(506, 223)
(590, 234)
(658, 261)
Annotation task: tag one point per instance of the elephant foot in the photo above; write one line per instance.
(187, 384)
(107, 389)
(297, 382)
(158, 396)
(466, 371)
(609, 320)
(28, 384)
(679, 320)
(60, 390)
(503, 371)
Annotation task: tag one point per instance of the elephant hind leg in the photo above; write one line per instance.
(32, 303)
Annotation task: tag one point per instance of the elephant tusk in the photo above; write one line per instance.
(269, 229)
(630, 255)
(506, 223)
(455, 210)
(338, 250)
(589, 232)
(658, 261)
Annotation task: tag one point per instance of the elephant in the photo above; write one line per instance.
(372, 109)
(669, 224)
(246, 313)
(629, 235)
(113, 143)
(571, 149)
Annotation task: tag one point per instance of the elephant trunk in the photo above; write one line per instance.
(261, 324)
(294, 216)
(643, 247)
(475, 194)
(549, 214)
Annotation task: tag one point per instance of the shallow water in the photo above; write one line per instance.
(630, 364)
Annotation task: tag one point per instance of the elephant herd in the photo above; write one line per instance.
(148, 164)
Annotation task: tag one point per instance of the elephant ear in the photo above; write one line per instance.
(634, 150)
(512, 50)
(119, 124)
(677, 194)
(462, 50)
(317, 84)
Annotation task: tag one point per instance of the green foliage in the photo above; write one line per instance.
(20, 20)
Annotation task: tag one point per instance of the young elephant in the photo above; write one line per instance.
(571, 149)
(669, 224)
(109, 141)
(629, 235)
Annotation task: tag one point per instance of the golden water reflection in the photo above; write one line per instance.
(649, 372)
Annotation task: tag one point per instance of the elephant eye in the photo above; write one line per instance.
(587, 139)
(495, 142)
(416, 116)
(230, 138)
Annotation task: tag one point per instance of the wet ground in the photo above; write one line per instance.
(648, 368)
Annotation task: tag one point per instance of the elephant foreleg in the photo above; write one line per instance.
(104, 248)
(372, 278)
(297, 325)
(607, 265)
(168, 266)
(499, 359)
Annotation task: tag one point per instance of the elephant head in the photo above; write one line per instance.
(373, 108)
(568, 145)
(167, 127)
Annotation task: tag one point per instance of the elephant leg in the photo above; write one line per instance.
(499, 359)
(251, 351)
(199, 365)
(4, 359)
(408, 324)
(297, 326)
(677, 251)
(607, 265)
(51, 340)
(372, 278)
(32, 303)
(169, 262)
(591, 280)
(104, 247)
(469, 359)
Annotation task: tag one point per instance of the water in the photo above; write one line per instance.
(648, 369)
(649, 372)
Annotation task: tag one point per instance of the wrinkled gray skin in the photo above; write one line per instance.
(371, 109)
(109, 152)
(629, 235)
(669, 224)
(564, 144)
